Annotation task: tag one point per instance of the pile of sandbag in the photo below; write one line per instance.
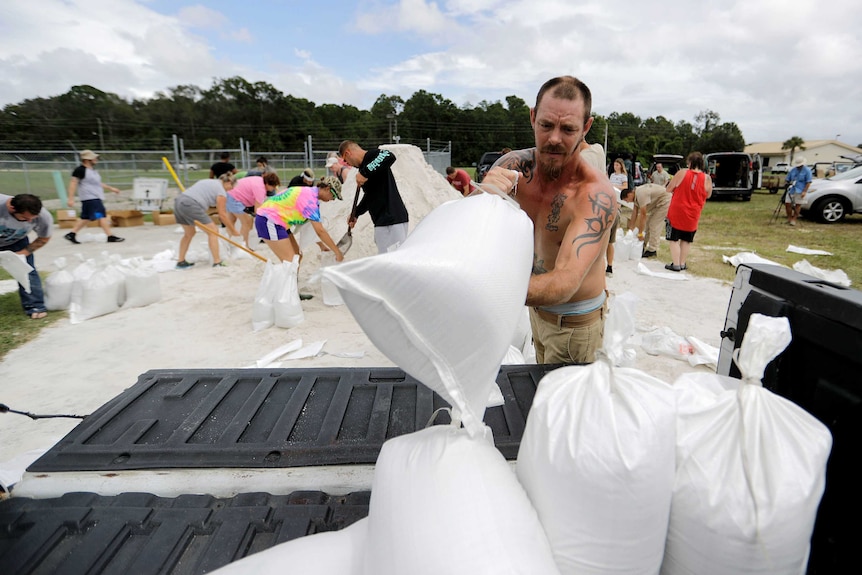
(618, 472)
(100, 286)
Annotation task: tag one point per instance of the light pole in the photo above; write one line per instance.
(390, 117)
(101, 139)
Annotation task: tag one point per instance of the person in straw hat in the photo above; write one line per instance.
(87, 183)
(798, 181)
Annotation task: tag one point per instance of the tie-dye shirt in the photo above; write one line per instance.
(292, 207)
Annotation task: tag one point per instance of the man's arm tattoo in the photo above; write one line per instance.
(538, 266)
(521, 161)
(603, 216)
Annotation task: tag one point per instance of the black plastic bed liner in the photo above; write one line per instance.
(271, 418)
(139, 533)
(202, 419)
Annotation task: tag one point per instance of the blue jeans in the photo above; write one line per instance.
(34, 301)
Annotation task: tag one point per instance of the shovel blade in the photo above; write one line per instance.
(345, 242)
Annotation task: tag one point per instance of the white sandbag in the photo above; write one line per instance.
(629, 247)
(287, 306)
(445, 502)
(751, 469)
(142, 285)
(58, 286)
(837, 277)
(445, 304)
(522, 339)
(597, 460)
(331, 295)
(263, 309)
(329, 553)
(621, 246)
(664, 341)
(94, 295)
(17, 267)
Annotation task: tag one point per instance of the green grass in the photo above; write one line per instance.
(740, 226)
(16, 329)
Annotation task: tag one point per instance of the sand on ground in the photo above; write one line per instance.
(203, 319)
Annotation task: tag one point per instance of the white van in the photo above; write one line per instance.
(733, 174)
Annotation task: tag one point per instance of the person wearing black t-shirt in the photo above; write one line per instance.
(223, 166)
(381, 198)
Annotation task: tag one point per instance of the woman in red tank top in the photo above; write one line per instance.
(690, 188)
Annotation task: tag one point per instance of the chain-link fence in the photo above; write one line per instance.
(45, 173)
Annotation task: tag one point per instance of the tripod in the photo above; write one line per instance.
(777, 213)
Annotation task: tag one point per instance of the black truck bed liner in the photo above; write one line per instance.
(205, 419)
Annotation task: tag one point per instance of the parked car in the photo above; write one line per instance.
(485, 163)
(188, 166)
(783, 167)
(829, 200)
(732, 174)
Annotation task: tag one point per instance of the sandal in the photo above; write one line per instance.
(38, 315)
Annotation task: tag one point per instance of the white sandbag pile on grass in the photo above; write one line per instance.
(751, 469)
(597, 459)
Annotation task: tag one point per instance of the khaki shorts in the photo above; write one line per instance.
(556, 343)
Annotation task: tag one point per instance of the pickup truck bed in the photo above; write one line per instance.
(259, 441)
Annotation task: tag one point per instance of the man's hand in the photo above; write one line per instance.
(501, 181)
(71, 202)
(351, 221)
(360, 179)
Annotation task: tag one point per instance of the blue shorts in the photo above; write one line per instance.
(235, 206)
(267, 230)
(93, 210)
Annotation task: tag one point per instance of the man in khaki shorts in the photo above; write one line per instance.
(573, 208)
(651, 203)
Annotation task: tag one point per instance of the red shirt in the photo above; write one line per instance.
(687, 202)
(460, 180)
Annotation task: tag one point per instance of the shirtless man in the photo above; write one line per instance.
(572, 208)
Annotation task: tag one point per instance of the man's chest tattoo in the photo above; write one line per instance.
(554, 216)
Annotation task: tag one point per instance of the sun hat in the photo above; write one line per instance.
(308, 174)
(798, 161)
(331, 161)
(333, 184)
(89, 155)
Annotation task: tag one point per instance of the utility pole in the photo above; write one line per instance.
(390, 117)
(101, 139)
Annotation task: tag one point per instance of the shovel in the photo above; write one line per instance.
(347, 240)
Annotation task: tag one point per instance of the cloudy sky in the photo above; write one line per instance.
(776, 68)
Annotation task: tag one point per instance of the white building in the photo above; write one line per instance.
(821, 154)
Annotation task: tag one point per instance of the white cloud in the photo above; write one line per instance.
(417, 16)
(775, 69)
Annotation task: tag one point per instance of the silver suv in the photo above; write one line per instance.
(829, 200)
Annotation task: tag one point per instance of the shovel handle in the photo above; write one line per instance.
(353, 209)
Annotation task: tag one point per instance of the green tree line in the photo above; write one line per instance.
(234, 108)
